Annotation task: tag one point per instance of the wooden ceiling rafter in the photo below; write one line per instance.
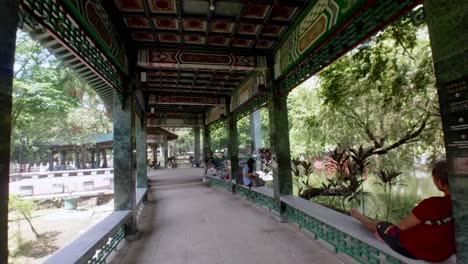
(151, 22)
(209, 18)
(266, 21)
(187, 91)
(180, 12)
(236, 24)
(211, 79)
(178, 79)
(194, 80)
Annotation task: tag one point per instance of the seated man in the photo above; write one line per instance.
(249, 175)
(210, 169)
(428, 232)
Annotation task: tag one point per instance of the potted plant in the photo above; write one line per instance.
(70, 202)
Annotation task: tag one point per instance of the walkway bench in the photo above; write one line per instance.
(343, 232)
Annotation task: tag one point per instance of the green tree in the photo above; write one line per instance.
(381, 95)
(25, 208)
(49, 103)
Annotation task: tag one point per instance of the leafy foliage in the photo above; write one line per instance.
(50, 102)
(381, 95)
(387, 179)
(25, 208)
(378, 104)
(302, 173)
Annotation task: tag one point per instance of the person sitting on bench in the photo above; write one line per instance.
(427, 233)
(249, 175)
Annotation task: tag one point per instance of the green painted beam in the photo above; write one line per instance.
(93, 34)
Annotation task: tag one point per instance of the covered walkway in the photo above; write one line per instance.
(206, 65)
(188, 222)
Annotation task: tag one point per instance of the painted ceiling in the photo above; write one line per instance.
(244, 26)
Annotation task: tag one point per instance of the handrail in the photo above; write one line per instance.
(84, 247)
(98, 242)
(51, 174)
(341, 231)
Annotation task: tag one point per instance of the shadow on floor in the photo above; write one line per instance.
(38, 248)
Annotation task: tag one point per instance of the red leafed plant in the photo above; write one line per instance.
(265, 157)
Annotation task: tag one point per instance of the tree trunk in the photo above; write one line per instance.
(30, 224)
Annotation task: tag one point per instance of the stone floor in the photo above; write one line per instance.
(187, 222)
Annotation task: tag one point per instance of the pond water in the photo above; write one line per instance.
(416, 185)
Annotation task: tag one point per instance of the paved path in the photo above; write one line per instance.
(191, 223)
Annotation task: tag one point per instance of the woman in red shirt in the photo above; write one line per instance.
(428, 232)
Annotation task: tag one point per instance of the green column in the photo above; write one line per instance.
(77, 159)
(447, 21)
(124, 181)
(164, 152)
(141, 153)
(62, 157)
(104, 158)
(155, 153)
(233, 144)
(279, 140)
(51, 160)
(206, 142)
(8, 23)
(98, 157)
(93, 158)
(196, 149)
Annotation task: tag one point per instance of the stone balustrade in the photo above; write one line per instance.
(64, 173)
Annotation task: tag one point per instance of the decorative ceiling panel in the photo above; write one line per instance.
(256, 11)
(168, 23)
(194, 24)
(264, 44)
(218, 40)
(283, 13)
(243, 43)
(173, 38)
(195, 39)
(137, 22)
(130, 5)
(162, 6)
(273, 30)
(143, 36)
(249, 29)
(222, 26)
(156, 58)
(243, 27)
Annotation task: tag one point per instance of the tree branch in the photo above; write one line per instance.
(408, 138)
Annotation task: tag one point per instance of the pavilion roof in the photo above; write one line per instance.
(103, 138)
(161, 131)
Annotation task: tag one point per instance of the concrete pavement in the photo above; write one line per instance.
(187, 222)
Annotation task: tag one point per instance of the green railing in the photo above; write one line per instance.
(96, 244)
(111, 245)
(218, 183)
(342, 232)
(341, 242)
(260, 196)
